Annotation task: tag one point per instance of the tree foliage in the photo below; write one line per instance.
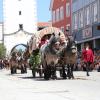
(35, 59)
(2, 50)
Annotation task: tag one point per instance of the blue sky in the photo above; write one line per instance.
(43, 12)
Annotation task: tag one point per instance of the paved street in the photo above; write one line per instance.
(24, 87)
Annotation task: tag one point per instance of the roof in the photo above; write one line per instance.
(44, 24)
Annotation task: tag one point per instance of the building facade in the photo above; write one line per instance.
(61, 15)
(20, 21)
(1, 32)
(86, 22)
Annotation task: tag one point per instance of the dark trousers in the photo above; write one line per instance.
(88, 67)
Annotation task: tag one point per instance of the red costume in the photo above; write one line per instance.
(87, 55)
(42, 42)
(88, 58)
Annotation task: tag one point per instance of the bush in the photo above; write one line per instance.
(35, 60)
(2, 51)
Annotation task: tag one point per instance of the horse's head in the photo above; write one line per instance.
(54, 43)
(71, 45)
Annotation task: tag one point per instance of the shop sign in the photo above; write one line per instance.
(87, 33)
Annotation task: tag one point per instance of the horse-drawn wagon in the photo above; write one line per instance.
(53, 52)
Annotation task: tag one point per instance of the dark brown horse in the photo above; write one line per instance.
(68, 58)
(13, 63)
(25, 58)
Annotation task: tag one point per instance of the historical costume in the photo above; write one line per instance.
(88, 57)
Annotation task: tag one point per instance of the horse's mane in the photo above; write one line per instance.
(52, 41)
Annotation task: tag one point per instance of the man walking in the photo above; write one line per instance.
(88, 57)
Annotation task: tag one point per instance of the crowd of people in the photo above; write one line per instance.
(97, 60)
(4, 63)
(88, 60)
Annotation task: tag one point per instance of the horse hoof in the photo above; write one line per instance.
(69, 77)
(64, 77)
(46, 78)
(54, 78)
(73, 77)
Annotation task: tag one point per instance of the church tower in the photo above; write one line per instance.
(20, 21)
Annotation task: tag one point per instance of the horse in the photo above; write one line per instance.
(13, 63)
(6, 63)
(49, 56)
(68, 58)
(25, 58)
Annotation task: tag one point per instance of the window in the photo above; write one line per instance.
(80, 18)
(73, 1)
(75, 20)
(57, 15)
(21, 26)
(20, 12)
(95, 12)
(67, 9)
(53, 16)
(61, 13)
(87, 15)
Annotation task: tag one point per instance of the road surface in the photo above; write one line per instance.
(24, 87)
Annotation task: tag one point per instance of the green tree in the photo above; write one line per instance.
(2, 50)
(20, 50)
(35, 60)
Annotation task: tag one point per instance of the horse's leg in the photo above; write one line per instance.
(60, 70)
(34, 73)
(68, 71)
(22, 69)
(63, 72)
(11, 69)
(15, 69)
(72, 66)
(53, 72)
(25, 68)
(47, 72)
(40, 70)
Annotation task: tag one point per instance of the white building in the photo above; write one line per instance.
(19, 15)
(1, 32)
